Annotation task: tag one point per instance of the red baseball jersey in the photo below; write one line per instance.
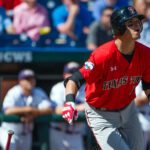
(111, 79)
(9, 4)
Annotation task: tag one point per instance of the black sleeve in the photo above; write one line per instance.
(77, 77)
(145, 85)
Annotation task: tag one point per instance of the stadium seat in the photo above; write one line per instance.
(14, 40)
(50, 4)
(47, 39)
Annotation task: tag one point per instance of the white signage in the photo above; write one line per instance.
(17, 57)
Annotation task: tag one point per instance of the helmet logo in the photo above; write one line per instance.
(131, 9)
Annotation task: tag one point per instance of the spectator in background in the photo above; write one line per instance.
(5, 23)
(141, 8)
(72, 19)
(9, 5)
(28, 102)
(100, 31)
(101, 4)
(148, 12)
(30, 18)
(63, 136)
(142, 103)
(148, 9)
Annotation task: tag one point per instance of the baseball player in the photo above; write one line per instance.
(111, 74)
(63, 136)
(27, 101)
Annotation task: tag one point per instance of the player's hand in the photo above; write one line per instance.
(69, 112)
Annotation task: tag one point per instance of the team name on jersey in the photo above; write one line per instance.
(116, 83)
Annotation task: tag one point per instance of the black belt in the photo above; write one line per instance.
(65, 131)
(109, 110)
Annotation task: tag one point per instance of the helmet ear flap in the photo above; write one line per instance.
(123, 29)
(119, 29)
(141, 25)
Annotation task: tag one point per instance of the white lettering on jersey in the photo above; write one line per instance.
(113, 68)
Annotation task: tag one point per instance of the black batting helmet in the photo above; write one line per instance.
(121, 15)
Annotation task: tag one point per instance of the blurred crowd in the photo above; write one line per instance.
(81, 23)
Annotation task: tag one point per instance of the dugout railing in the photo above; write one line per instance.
(42, 126)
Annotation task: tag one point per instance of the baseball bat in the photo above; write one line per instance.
(10, 133)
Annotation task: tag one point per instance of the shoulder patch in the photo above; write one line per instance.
(89, 65)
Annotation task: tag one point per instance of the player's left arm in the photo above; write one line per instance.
(147, 92)
(146, 88)
(141, 100)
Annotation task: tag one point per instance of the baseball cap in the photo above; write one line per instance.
(71, 67)
(26, 73)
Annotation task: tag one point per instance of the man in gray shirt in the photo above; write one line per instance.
(100, 31)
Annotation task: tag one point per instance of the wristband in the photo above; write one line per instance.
(70, 98)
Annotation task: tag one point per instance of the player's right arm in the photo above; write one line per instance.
(72, 84)
(71, 88)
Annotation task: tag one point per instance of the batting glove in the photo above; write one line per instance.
(69, 112)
